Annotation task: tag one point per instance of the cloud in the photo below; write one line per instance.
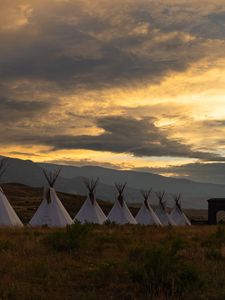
(69, 44)
(26, 154)
(202, 172)
(84, 162)
(123, 135)
(65, 64)
(15, 110)
(214, 123)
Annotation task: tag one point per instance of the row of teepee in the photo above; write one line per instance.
(91, 212)
(52, 213)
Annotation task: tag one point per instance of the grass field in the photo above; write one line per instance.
(94, 262)
(113, 262)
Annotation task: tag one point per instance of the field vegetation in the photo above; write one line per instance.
(113, 262)
(91, 262)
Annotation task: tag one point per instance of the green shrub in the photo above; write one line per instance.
(73, 238)
(5, 245)
(104, 272)
(213, 254)
(159, 270)
(216, 239)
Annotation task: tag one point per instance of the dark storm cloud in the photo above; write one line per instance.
(123, 135)
(217, 22)
(43, 59)
(203, 20)
(205, 172)
(17, 110)
(16, 105)
(73, 46)
(115, 66)
(68, 46)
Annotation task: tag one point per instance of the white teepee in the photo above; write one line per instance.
(146, 215)
(161, 211)
(178, 215)
(90, 211)
(8, 216)
(51, 212)
(120, 212)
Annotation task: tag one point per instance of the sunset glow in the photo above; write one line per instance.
(131, 85)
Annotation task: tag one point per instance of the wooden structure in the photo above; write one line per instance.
(214, 206)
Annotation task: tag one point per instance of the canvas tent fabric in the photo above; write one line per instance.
(164, 216)
(179, 217)
(120, 213)
(8, 216)
(90, 211)
(51, 212)
(161, 211)
(146, 215)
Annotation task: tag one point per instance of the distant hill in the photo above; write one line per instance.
(194, 194)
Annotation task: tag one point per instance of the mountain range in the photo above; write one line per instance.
(194, 194)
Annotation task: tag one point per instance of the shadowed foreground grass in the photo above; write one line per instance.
(113, 262)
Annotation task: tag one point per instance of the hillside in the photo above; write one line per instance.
(194, 194)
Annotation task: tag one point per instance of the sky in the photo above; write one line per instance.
(123, 84)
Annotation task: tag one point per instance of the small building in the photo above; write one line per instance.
(215, 205)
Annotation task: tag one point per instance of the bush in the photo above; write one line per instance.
(216, 239)
(213, 254)
(159, 270)
(6, 245)
(73, 238)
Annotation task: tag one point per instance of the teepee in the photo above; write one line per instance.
(90, 211)
(146, 215)
(120, 212)
(161, 211)
(51, 212)
(8, 216)
(177, 213)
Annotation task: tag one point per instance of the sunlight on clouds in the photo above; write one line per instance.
(122, 161)
(180, 105)
(85, 157)
(16, 15)
(78, 62)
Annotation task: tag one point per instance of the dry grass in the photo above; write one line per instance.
(112, 262)
(93, 262)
